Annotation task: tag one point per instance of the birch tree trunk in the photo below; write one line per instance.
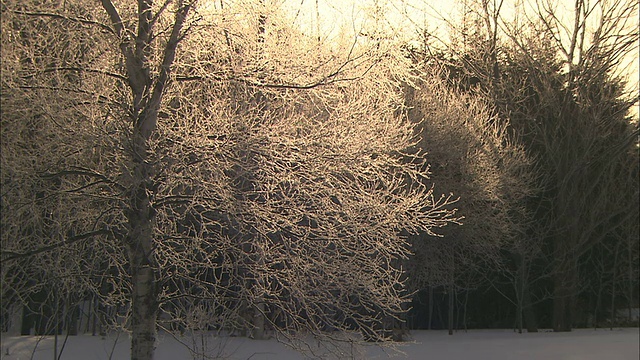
(147, 92)
(143, 269)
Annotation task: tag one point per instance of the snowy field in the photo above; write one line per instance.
(618, 344)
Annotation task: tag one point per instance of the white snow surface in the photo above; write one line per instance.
(581, 344)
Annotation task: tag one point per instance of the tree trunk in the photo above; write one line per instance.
(450, 309)
(98, 320)
(562, 309)
(597, 308)
(565, 279)
(258, 307)
(430, 308)
(520, 279)
(144, 314)
(257, 332)
(72, 319)
(529, 314)
(452, 275)
(630, 282)
(519, 321)
(90, 311)
(525, 315)
(144, 311)
(613, 304)
(613, 287)
(464, 310)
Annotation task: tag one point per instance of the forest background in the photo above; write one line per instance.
(233, 166)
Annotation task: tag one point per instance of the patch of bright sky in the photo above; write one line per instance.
(401, 18)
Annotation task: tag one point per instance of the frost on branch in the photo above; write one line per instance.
(276, 200)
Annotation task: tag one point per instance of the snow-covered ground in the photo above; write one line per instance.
(583, 344)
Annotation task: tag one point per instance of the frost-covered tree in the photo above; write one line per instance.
(192, 160)
(472, 156)
(558, 75)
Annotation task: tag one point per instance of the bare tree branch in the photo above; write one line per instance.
(14, 255)
(67, 18)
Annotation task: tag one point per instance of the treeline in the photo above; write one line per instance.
(565, 253)
(208, 167)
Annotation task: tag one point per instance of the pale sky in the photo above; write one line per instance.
(403, 18)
